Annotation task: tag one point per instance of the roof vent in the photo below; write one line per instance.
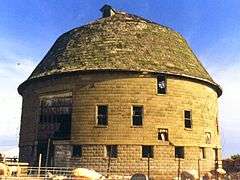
(107, 11)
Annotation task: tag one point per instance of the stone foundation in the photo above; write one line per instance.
(130, 161)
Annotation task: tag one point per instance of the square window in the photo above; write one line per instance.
(163, 134)
(102, 115)
(207, 137)
(147, 151)
(179, 152)
(187, 119)
(161, 84)
(137, 116)
(202, 153)
(112, 151)
(76, 151)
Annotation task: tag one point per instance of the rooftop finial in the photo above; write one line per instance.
(107, 11)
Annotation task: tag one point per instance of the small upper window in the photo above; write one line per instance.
(147, 151)
(179, 152)
(137, 116)
(188, 119)
(102, 115)
(163, 134)
(207, 137)
(161, 84)
(112, 151)
(77, 151)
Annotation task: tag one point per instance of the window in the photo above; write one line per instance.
(161, 84)
(163, 134)
(187, 119)
(147, 151)
(102, 115)
(55, 117)
(202, 153)
(76, 151)
(207, 137)
(179, 152)
(137, 115)
(112, 151)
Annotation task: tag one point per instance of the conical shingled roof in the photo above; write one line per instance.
(122, 42)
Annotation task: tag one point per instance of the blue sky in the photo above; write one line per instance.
(28, 28)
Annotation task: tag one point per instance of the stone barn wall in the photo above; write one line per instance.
(120, 91)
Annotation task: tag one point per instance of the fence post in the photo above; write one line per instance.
(199, 168)
(109, 161)
(179, 168)
(148, 166)
(39, 164)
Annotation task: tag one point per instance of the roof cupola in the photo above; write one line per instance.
(107, 11)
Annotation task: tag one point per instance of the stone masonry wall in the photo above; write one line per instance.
(120, 91)
(130, 161)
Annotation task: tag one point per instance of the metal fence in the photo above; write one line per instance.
(47, 171)
(52, 173)
(65, 173)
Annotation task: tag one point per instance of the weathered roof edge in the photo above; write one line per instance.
(213, 85)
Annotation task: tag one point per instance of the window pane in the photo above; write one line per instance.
(137, 110)
(102, 115)
(179, 152)
(208, 137)
(137, 120)
(161, 84)
(137, 115)
(77, 151)
(102, 110)
(147, 151)
(112, 151)
(187, 119)
(163, 134)
(187, 114)
(188, 123)
(102, 120)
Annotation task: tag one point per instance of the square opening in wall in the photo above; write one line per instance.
(163, 135)
(161, 84)
(102, 115)
(187, 119)
(207, 137)
(179, 152)
(77, 151)
(137, 115)
(112, 151)
(147, 151)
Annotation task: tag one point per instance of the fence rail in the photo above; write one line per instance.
(53, 173)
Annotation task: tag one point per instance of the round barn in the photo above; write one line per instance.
(121, 95)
